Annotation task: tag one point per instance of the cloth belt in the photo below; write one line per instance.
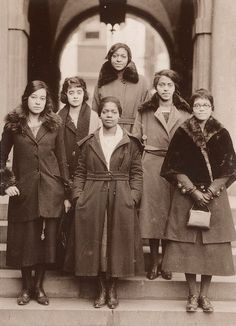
(158, 152)
(108, 176)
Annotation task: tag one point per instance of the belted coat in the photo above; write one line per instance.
(116, 191)
(39, 168)
(151, 128)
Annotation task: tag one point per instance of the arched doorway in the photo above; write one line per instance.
(85, 49)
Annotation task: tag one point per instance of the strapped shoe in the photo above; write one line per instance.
(41, 297)
(192, 303)
(24, 297)
(205, 304)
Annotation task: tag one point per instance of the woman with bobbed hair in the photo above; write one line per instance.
(119, 77)
(156, 122)
(201, 164)
(37, 187)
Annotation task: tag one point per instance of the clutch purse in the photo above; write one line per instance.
(199, 218)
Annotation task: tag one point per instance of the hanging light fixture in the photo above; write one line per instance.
(112, 11)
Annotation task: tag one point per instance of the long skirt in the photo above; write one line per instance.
(199, 258)
(25, 247)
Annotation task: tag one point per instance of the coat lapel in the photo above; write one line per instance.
(174, 118)
(97, 148)
(41, 133)
(158, 114)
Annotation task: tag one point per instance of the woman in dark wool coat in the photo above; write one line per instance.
(155, 125)
(36, 187)
(119, 77)
(107, 187)
(201, 163)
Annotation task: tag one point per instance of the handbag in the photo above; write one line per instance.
(199, 218)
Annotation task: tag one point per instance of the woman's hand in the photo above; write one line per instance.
(200, 198)
(12, 191)
(67, 205)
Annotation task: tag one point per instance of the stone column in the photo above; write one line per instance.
(18, 32)
(202, 30)
(224, 63)
(3, 59)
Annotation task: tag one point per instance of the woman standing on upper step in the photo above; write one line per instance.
(201, 163)
(155, 125)
(118, 77)
(36, 187)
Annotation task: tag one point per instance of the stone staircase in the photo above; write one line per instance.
(142, 302)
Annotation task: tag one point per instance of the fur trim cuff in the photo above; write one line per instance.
(7, 179)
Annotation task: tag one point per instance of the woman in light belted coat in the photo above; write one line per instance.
(107, 187)
(156, 122)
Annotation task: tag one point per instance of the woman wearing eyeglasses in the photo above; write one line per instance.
(201, 163)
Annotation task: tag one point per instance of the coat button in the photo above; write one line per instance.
(73, 153)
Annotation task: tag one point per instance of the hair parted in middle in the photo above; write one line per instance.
(32, 87)
(202, 93)
(117, 46)
(75, 81)
(173, 75)
(108, 99)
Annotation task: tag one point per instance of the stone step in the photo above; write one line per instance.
(74, 312)
(66, 286)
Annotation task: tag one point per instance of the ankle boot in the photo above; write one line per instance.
(153, 271)
(112, 301)
(26, 292)
(40, 294)
(101, 298)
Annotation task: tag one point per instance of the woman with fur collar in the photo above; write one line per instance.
(201, 163)
(119, 77)
(156, 122)
(36, 187)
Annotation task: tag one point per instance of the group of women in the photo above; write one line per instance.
(130, 168)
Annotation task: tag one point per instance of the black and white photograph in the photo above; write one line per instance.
(118, 163)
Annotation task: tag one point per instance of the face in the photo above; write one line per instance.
(75, 95)
(165, 88)
(119, 59)
(37, 101)
(109, 115)
(202, 109)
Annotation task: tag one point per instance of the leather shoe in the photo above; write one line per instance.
(24, 297)
(166, 275)
(205, 304)
(153, 272)
(192, 303)
(41, 297)
(101, 299)
(112, 300)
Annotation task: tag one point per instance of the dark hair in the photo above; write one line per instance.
(107, 99)
(202, 93)
(32, 87)
(117, 46)
(73, 82)
(170, 74)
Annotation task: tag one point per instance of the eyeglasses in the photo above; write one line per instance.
(205, 106)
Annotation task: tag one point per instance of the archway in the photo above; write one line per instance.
(86, 48)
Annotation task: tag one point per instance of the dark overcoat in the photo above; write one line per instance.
(151, 128)
(39, 167)
(116, 191)
(185, 156)
(87, 123)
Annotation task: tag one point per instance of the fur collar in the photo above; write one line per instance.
(192, 128)
(153, 103)
(16, 121)
(108, 74)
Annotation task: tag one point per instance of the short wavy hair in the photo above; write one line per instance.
(75, 81)
(107, 99)
(202, 93)
(32, 87)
